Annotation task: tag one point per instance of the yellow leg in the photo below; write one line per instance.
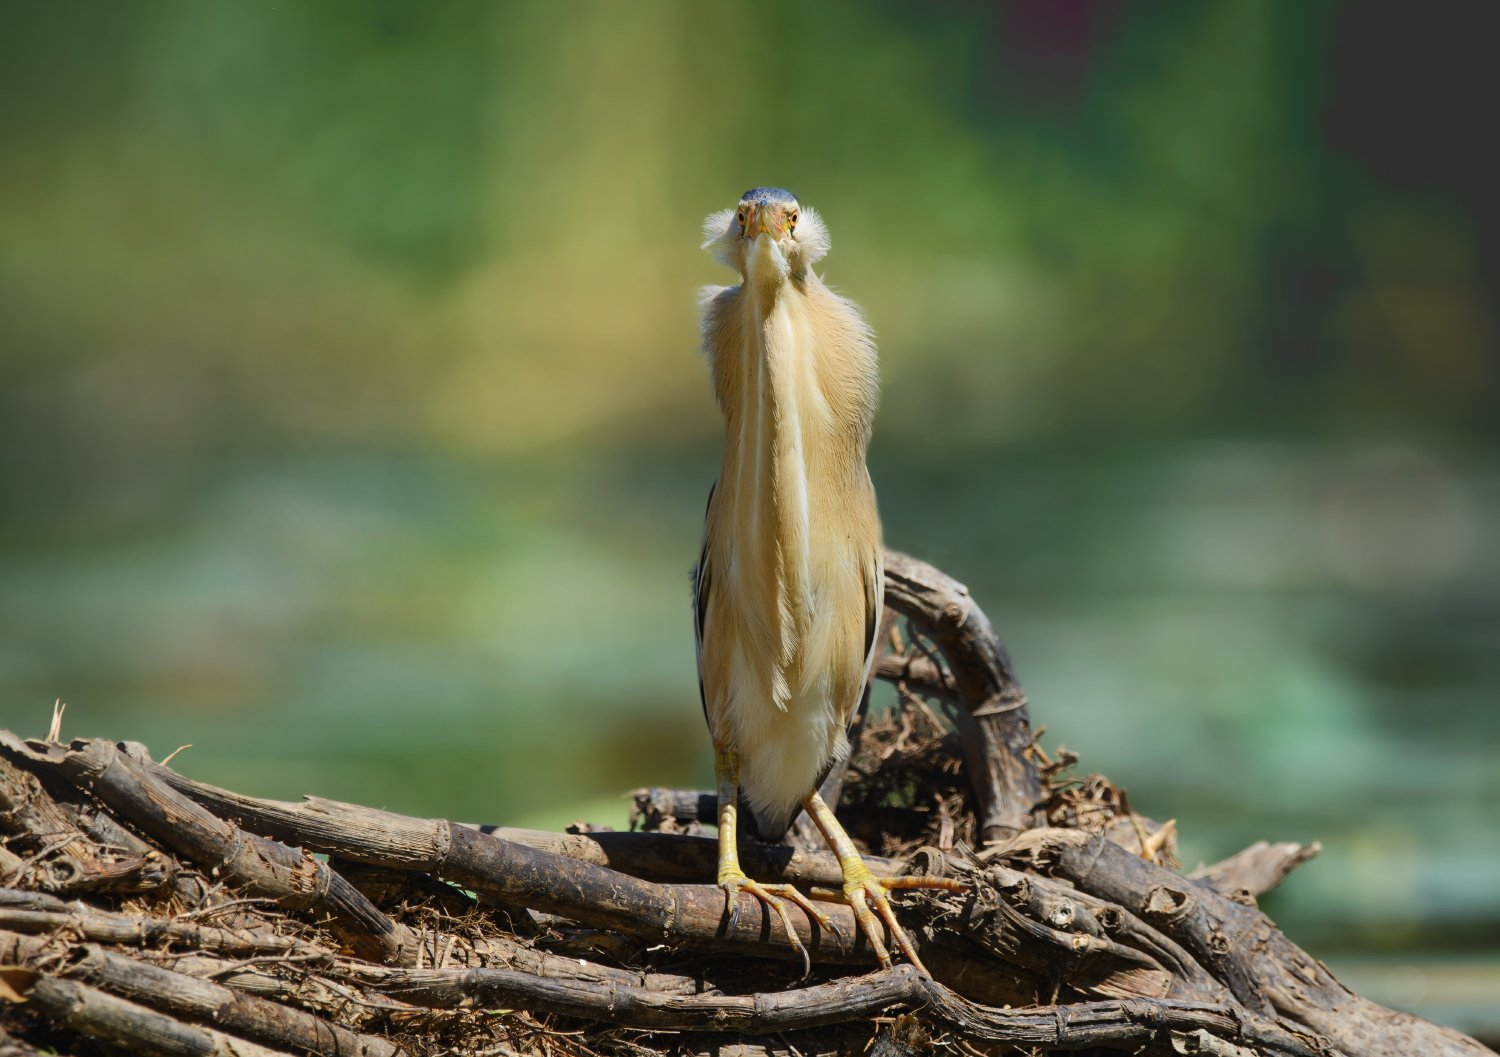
(733, 880)
(861, 887)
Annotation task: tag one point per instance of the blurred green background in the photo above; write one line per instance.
(352, 427)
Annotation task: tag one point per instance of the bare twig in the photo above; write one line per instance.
(293, 877)
(1256, 870)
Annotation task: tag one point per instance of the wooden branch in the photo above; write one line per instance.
(265, 867)
(515, 874)
(1240, 946)
(65, 859)
(1256, 870)
(94, 821)
(1062, 1027)
(1190, 980)
(654, 805)
(201, 1000)
(138, 1029)
(677, 857)
(297, 984)
(994, 724)
(33, 913)
(920, 675)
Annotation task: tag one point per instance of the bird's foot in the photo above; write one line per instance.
(775, 896)
(862, 890)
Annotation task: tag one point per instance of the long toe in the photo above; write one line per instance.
(869, 896)
(776, 898)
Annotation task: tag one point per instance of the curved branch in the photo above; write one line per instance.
(995, 723)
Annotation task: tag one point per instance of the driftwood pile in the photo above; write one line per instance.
(144, 912)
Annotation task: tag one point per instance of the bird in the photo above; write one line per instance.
(789, 584)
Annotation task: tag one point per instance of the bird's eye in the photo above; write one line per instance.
(740, 217)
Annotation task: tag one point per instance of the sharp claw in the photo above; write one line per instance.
(788, 927)
(791, 931)
(837, 933)
(776, 898)
(861, 888)
(731, 909)
(816, 915)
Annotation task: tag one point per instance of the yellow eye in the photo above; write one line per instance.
(740, 217)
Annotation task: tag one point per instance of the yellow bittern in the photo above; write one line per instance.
(789, 587)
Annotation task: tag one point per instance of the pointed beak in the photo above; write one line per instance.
(766, 218)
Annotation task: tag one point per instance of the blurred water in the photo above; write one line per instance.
(348, 429)
(1279, 641)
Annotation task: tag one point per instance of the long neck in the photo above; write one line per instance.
(775, 428)
(796, 377)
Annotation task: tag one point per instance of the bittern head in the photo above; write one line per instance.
(769, 233)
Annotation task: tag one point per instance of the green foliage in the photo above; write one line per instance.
(348, 389)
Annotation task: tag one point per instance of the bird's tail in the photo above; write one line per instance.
(772, 825)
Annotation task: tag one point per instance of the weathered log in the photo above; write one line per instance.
(203, 1001)
(1240, 946)
(263, 866)
(64, 859)
(512, 873)
(131, 1026)
(994, 724)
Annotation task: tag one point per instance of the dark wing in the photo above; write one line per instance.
(702, 584)
(873, 574)
(874, 583)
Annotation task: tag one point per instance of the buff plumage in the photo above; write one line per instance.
(790, 581)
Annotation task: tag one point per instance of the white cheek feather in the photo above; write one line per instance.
(719, 236)
(812, 238)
